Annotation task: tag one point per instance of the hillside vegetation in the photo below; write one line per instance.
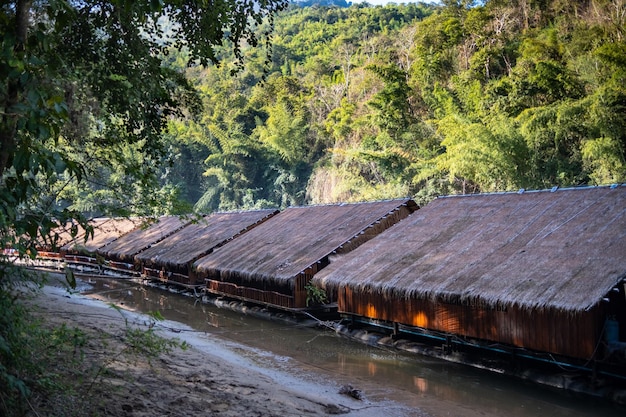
(364, 103)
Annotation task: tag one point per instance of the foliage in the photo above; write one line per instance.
(381, 102)
(27, 348)
(146, 343)
(315, 295)
(355, 103)
(15, 331)
(39, 360)
(81, 131)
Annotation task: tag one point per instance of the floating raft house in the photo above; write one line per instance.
(273, 263)
(120, 253)
(81, 251)
(70, 237)
(50, 248)
(543, 271)
(105, 231)
(170, 260)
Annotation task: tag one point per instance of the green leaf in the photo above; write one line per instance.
(156, 315)
(70, 278)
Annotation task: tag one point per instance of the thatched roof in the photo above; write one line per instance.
(129, 245)
(105, 230)
(201, 238)
(295, 239)
(59, 237)
(563, 250)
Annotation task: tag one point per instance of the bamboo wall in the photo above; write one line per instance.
(287, 294)
(274, 298)
(569, 334)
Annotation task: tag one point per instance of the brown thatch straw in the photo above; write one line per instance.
(562, 250)
(297, 238)
(127, 246)
(60, 236)
(201, 238)
(105, 230)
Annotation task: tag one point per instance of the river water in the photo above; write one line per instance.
(433, 386)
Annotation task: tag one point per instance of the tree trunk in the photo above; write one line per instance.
(8, 125)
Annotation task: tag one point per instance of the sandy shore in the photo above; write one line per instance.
(207, 379)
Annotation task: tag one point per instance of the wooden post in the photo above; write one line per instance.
(299, 296)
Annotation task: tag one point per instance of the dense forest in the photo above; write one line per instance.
(362, 103)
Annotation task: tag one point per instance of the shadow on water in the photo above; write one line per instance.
(381, 373)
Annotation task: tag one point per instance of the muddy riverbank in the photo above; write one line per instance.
(206, 379)
(310, 366)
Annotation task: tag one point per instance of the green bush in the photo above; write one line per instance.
(315, 295)
(24, 343)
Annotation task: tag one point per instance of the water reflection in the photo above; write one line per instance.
(435, 386)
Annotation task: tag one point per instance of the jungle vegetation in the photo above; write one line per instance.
(364, 103)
